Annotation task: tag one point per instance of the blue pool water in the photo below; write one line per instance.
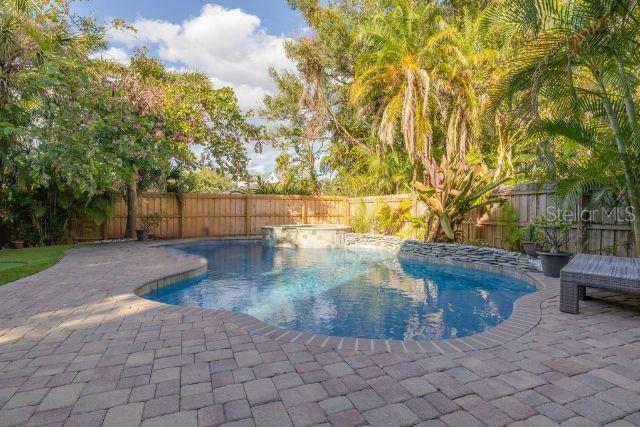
(363, 293)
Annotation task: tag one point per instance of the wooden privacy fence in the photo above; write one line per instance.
(203, 215)
(209, 215)
(597, 231)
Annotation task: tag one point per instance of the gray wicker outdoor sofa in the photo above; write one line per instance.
(596, 271)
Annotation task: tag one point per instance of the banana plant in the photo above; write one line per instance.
(450, 191)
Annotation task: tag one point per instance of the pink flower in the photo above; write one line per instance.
(158, 133)
(136, 126)
(116, 141)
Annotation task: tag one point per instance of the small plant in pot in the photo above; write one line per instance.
(528, 238)
(149, 222)
(17, 239)
(17, 243)
(553, 235)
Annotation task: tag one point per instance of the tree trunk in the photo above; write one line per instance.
(311, 165)
(630, 178)
(132, 209)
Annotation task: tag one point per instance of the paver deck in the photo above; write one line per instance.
(77, 347)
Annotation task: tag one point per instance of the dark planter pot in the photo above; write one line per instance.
(142, 235)
(552, 263)
(18, 244)
(531, 249)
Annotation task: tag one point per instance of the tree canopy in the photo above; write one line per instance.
(536, 91)
(383, 92)
(76, 130)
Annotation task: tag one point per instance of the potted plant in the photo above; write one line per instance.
(149, 222)
(528, 240)
(17, 241)
(553, 235)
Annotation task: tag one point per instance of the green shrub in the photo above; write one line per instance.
(509, 217)
(553, 234)
(451, 191)
(383, 216)
(360, 222)
(529, 233)
(418, 225)
(390, 220)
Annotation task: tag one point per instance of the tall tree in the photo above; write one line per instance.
(38, 38)
(299, 130)
(41, 43)
(181, 110)
(466, 70)
(392, 77)
(380, 80)
(575, 72)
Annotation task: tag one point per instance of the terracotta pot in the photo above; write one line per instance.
(531, 249)
(552, 263)
(142, 235)
(18, 244)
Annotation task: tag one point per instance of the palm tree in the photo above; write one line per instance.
(466, 70)
(391, 77)
(39, 42)
(35, 34)
(578, 68)
(422, 72)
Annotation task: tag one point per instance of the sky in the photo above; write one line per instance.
(233, 41)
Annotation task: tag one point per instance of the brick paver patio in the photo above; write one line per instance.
(78, 348)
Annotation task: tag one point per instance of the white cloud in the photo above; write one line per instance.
(228, 45)
(114, 54)
(261, 163)
(249, 96)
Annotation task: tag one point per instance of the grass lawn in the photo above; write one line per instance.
(18, 263)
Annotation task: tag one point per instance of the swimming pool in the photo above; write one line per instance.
(353, 292)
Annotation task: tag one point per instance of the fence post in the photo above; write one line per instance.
(181, 213)
(247, 216)
(304, 211)
(346, 211)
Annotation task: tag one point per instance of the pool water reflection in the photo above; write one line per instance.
(365, 293)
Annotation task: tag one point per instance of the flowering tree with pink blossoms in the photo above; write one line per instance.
(105, 125)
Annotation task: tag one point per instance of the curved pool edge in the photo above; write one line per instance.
(526, 314)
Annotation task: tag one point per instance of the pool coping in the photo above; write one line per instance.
(526, 313)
